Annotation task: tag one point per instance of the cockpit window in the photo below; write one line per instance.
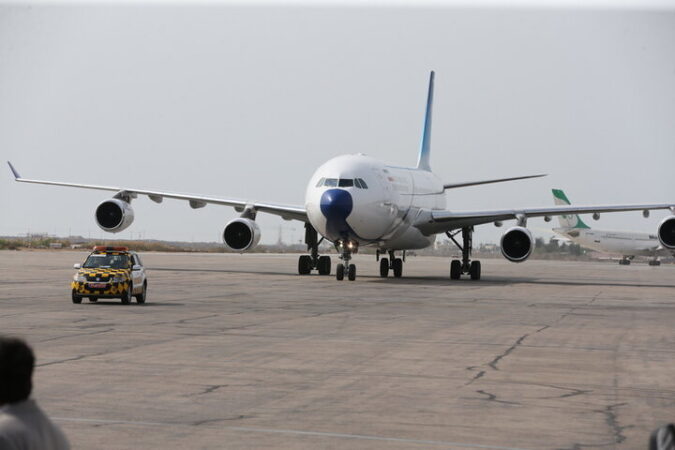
(342, 182)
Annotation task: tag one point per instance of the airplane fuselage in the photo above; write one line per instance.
(615, 242)
(359, 199)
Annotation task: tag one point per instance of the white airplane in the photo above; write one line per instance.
(628, 244)
(355, 200)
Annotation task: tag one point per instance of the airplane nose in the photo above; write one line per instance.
(336, 205)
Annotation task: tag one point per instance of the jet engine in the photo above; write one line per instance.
(114, 215)
(241, 234)
(667, 232)
(517, 244)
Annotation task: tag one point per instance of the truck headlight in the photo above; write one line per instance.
(79, 278)
(118, 279)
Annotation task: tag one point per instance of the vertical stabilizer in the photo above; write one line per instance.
(571, 221)
(425, 147)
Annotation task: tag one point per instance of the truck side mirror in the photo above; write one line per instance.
(77, 266)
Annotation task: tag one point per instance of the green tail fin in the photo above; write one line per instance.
(567, 221)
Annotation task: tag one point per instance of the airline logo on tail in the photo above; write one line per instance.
(567, 221)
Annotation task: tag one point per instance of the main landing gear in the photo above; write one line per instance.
(654, 262)
(625, 261)
(346, 248)
(457, 267)
(307, 263)
(393, 263)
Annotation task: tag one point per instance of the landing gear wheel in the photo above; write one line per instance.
(624, 262)
(384, 267)
(654, 263)
(76, 298)
(304, 264)
(126, 298)
(398, 267)
(340, 272)
(455, 269)
(324, 265)
(140, 298)
(352, 272)
(474, 270)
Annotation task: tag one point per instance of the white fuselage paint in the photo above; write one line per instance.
(622, 243)
(383, 214)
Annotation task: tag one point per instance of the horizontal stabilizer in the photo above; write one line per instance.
(497, 180)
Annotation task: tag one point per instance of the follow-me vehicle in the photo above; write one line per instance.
(355, 200)
(110, 272)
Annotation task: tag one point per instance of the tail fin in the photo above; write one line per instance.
(425, 147)
(571, 221)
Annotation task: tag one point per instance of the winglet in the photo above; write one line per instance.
(425, 148)
(16, 174)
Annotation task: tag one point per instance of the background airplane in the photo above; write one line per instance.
(356, 200)
(627, 244)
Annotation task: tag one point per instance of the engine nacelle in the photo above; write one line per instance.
(517, 244)
(241, 234)
(667, 232)
(114, 215)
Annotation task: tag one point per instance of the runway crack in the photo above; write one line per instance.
(507, 352)
(493, 398)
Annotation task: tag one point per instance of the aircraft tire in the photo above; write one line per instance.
(304, 264)
(384, 267)
(324, 265)
(398, 268)
(455, 269)
(654, 263)
(474, 270)
(340, 272)
(351, 274)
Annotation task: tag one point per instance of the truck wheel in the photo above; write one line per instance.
(126, 298)
(76, 298)
(140, 298)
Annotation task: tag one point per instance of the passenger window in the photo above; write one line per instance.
(363, 183)
(320, 183)
(346, 182)
(331, 182)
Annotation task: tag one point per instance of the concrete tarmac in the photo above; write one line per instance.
(238, 351)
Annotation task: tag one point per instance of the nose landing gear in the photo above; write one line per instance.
(346, 249)
(307, 263)
(457, 268)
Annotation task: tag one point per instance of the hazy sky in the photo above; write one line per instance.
(246, 101)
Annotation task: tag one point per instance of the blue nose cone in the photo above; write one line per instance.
(336, 205)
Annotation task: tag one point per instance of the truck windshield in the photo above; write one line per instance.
(106, 261)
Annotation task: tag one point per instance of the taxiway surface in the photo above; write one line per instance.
(237, 351)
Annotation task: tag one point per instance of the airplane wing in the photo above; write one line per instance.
(433, 222)
(287, 212)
